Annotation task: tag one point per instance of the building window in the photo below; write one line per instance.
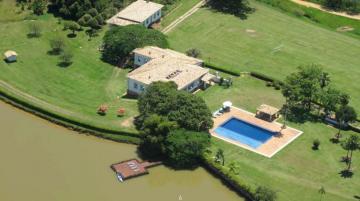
(142, 88)
(158, 13)
(135, 85)
(139, 59)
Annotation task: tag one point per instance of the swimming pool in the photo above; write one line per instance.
(243, 132)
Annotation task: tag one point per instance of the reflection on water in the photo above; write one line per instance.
(42, 162)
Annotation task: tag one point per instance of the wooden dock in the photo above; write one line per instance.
(132, 168)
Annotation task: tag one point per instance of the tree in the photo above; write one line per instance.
(316, 144)
(57, 45)
(322, 192)
(235, 7)
(351, 144)
(263, 193)
(66, 58)
(74, 27)
(234, 168)
(163, 98)
(34, 29)
(120, 41)
(193, 52)
(344, 115)
(329, 99)
(39, 6)
(303, 87)
(185, 148)
(153, 135)
(334, 4)
(220, 157)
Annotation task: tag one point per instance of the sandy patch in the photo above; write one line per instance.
(345, 29)
(128, 122)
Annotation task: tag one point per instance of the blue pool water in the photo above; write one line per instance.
(244, 132)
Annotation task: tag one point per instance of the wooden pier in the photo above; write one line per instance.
(132, 168)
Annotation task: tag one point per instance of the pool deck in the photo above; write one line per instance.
(270, 147)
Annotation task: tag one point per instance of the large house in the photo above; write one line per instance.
(139, 12)
(157, 64)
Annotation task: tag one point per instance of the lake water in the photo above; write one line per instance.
(40, 161)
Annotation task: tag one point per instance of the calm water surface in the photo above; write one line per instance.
(42, 162)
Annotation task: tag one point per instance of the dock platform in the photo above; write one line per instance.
(132, 168)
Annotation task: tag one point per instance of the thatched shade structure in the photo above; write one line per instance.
(267, 112)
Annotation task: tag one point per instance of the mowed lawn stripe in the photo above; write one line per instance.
(272, 43)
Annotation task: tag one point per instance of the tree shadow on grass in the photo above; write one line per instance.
(64, 64)
(300, 115)
(71, 35)
(346, 173)
(53, 53)
(241, 10)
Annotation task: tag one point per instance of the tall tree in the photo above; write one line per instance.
(351, 144)
(344, 115)
(39, 6)
(303, 87)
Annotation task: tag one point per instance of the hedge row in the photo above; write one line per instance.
(119, 136)
(221, 69)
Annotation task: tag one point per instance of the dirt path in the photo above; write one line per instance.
(317, 6)
(183, 17)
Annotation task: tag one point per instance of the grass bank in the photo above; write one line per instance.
(272, 43)
(74, 92)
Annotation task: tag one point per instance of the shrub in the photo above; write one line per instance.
(316, 144)
(193, 52)
(269, 84)
(263, 193)
(66, 58)
(102, 109)
(121, 112)
(277, 85)
(34, 30)
(57, 45)
(262, 76)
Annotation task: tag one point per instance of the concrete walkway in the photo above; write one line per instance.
(183, 17)
(319, 7)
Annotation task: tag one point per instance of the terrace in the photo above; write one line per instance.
(276, 139)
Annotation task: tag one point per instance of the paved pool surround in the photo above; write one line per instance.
(265, 145)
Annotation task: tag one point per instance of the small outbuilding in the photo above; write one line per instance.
(10, 56)
(267, 112)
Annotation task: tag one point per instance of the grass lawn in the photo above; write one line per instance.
(177, 9)
(271, 42)
(75, 91)
(296, 172)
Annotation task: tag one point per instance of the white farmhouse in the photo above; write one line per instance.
(156, 64)
(139, 12)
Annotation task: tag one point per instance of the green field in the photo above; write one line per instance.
(179, 8)
(296, 172)
(75, 91)
(273, 43)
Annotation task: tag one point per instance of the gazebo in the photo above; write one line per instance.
(10, 56)
(267, 112)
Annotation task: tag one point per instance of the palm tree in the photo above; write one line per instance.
(322, 192)
(220, 156)
(344, 115)
(234, 167)
(351, 144)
